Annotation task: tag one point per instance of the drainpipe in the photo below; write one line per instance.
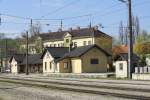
(70, 46)
(54, 66)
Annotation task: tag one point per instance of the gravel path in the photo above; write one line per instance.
(19, 92)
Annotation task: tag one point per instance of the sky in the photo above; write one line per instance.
(106, 13)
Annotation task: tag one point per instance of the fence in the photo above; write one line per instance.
(142, 70)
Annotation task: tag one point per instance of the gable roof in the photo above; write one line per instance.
(18, 57)
(124, 56)
(32, 59)
(77, 52)
(56, 52)
(120, 49)
(74, 33)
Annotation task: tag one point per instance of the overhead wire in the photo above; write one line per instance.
(58, 9)
(74, 17)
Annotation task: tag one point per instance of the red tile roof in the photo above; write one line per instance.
(117, 49)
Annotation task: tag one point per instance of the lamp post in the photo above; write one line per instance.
(130, 39)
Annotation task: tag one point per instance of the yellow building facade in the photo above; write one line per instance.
(78, 38)
(85, 59)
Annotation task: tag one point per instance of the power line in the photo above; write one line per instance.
(18, 17)
(74, 17)
(107, 13)
(52, 12)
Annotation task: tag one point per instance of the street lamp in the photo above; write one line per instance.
(130, 42)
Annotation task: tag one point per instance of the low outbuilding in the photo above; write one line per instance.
(85, 59)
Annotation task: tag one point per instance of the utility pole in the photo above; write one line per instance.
(1, 59)
(27, 67)
(130, 38)
(130, 42)
(6, 49)
(27, 47)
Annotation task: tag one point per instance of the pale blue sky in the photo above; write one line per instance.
(109, 13)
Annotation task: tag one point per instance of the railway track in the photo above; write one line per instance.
(124, 92)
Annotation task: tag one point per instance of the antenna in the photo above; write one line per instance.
(61, 24)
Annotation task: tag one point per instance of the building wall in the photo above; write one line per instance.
(94, 53)
(69, 38)
(121, 73)
(76, 65)
(49, 68)
(52, 43)
(14, 66)
(148, 61)
(62, 69)
(80, 42)
(104, 42)
(35, 68)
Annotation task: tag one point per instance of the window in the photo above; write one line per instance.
(54, 45)
(84, 43)
(89, 42)
(121, 66)
(94, 61)
(58, 45)
(45, 65)
(65, 65)
(67, 40)
(50, 65)
(75, 44)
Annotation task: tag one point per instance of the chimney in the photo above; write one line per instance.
(59, 30)
(96, 27)
(78, 27)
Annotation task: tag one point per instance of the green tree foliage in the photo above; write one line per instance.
(38, 45)
(142, 49)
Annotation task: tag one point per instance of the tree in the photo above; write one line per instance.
(126, 31)
(38, 45)
(136, 30)
(143, 37)
(137, 26)
(121, 32)
(35, 29)
(142, 48)
(138, 49)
